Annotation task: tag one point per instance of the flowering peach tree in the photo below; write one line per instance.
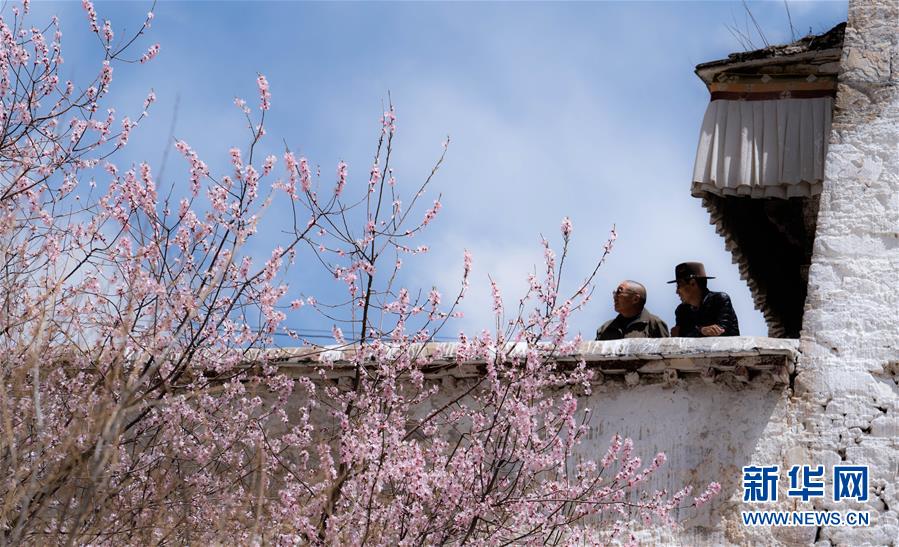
(141, 397)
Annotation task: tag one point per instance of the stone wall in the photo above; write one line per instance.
(846, 399)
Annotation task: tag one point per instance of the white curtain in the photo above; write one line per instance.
(770, 148)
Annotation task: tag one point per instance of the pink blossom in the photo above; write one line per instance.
(105, 77)
(305, 175)
(497, 299)
(218, 197)
(198, 168)
(268, 164)
(252, 178)
(711, 491)
(152, 52)
(126, 131)
(466, 270)
(52, 248)
(236, 160)
(434, 298)
(388, 121)
(151, 98)
(431, 213)
(341, 178)
(566, 227)
(107, 32)
(612, 453)
(374, 177)
(290, 162)
(264, 94)
(91, 14)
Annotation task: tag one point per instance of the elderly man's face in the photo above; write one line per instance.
(626, 300)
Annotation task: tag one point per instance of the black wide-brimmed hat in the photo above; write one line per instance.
(686, 271)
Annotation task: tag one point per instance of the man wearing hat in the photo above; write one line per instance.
(633, 320)
(703, 312)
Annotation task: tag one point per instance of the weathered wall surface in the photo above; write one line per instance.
(846, 398)
(708, 429)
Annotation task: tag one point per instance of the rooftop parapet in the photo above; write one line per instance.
(735, 360)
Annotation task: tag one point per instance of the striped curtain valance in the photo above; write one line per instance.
(763, 148)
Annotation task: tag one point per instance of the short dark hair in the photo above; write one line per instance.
(702, 282)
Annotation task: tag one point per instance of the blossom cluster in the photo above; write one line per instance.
(142, 396)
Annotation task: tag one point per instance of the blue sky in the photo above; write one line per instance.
(589, 110)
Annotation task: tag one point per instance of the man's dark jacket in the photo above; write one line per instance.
(715, 309)
(645, 325)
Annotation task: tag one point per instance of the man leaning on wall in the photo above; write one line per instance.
(633, 320)
(703, 312)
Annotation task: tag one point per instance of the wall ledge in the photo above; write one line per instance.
(736, 360)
